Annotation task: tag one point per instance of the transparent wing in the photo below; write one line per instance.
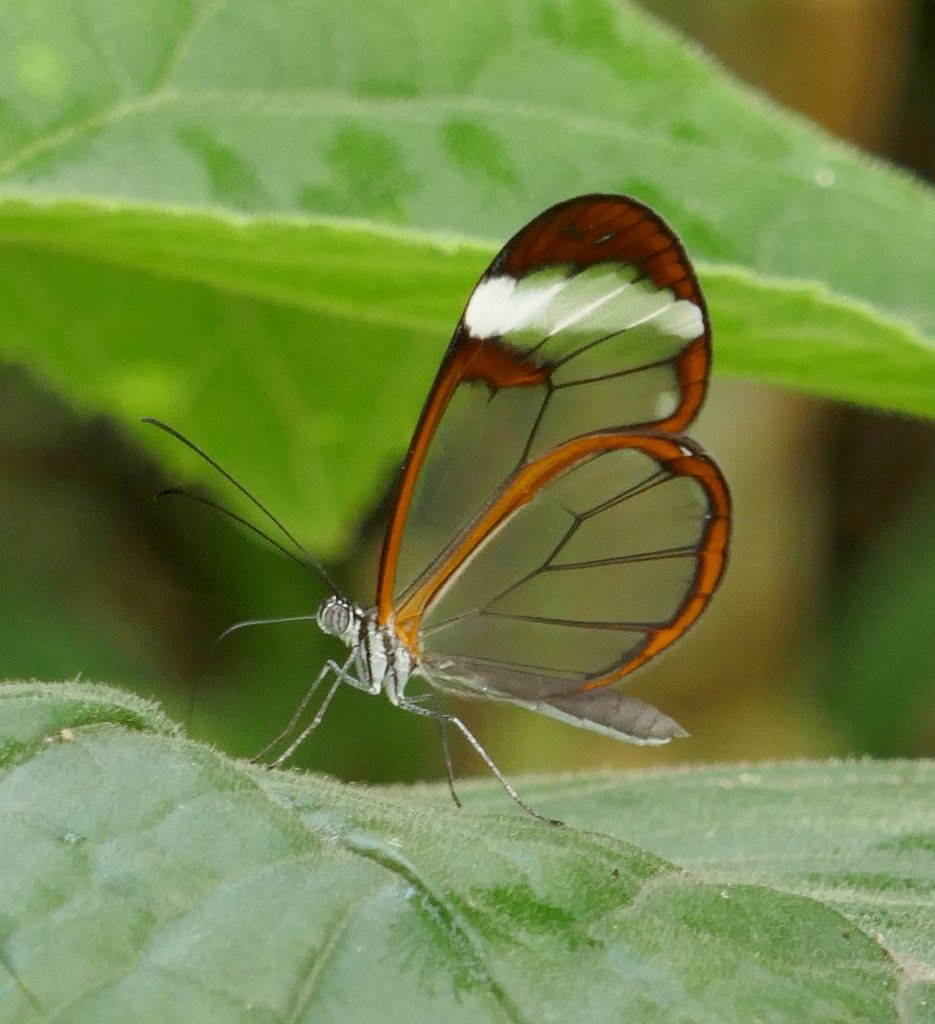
(549, 520)
(590, 561)
(590, 318)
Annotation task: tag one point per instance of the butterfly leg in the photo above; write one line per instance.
(445, 719)
(449, 769)
(442, 724)
(341, 674)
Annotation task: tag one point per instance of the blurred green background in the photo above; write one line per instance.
(821, 641)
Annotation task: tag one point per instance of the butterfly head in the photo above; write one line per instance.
(338, 617)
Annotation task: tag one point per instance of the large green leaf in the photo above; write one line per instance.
(147, 879)
(261, 220)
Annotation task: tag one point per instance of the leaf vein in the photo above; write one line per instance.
(202, 18)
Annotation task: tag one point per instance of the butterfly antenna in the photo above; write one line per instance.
(180, 492)
(263, 622)
(310, 562)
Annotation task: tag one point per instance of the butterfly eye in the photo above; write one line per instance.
(334, 617)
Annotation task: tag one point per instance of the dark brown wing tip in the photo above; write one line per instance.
(601, 227)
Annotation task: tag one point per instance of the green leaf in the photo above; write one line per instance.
(148, 878)
(260, 221)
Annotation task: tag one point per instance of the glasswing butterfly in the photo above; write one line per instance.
(552, 530)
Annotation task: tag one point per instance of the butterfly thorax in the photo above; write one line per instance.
(381, 660)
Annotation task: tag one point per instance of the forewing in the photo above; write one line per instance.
(589, 319)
